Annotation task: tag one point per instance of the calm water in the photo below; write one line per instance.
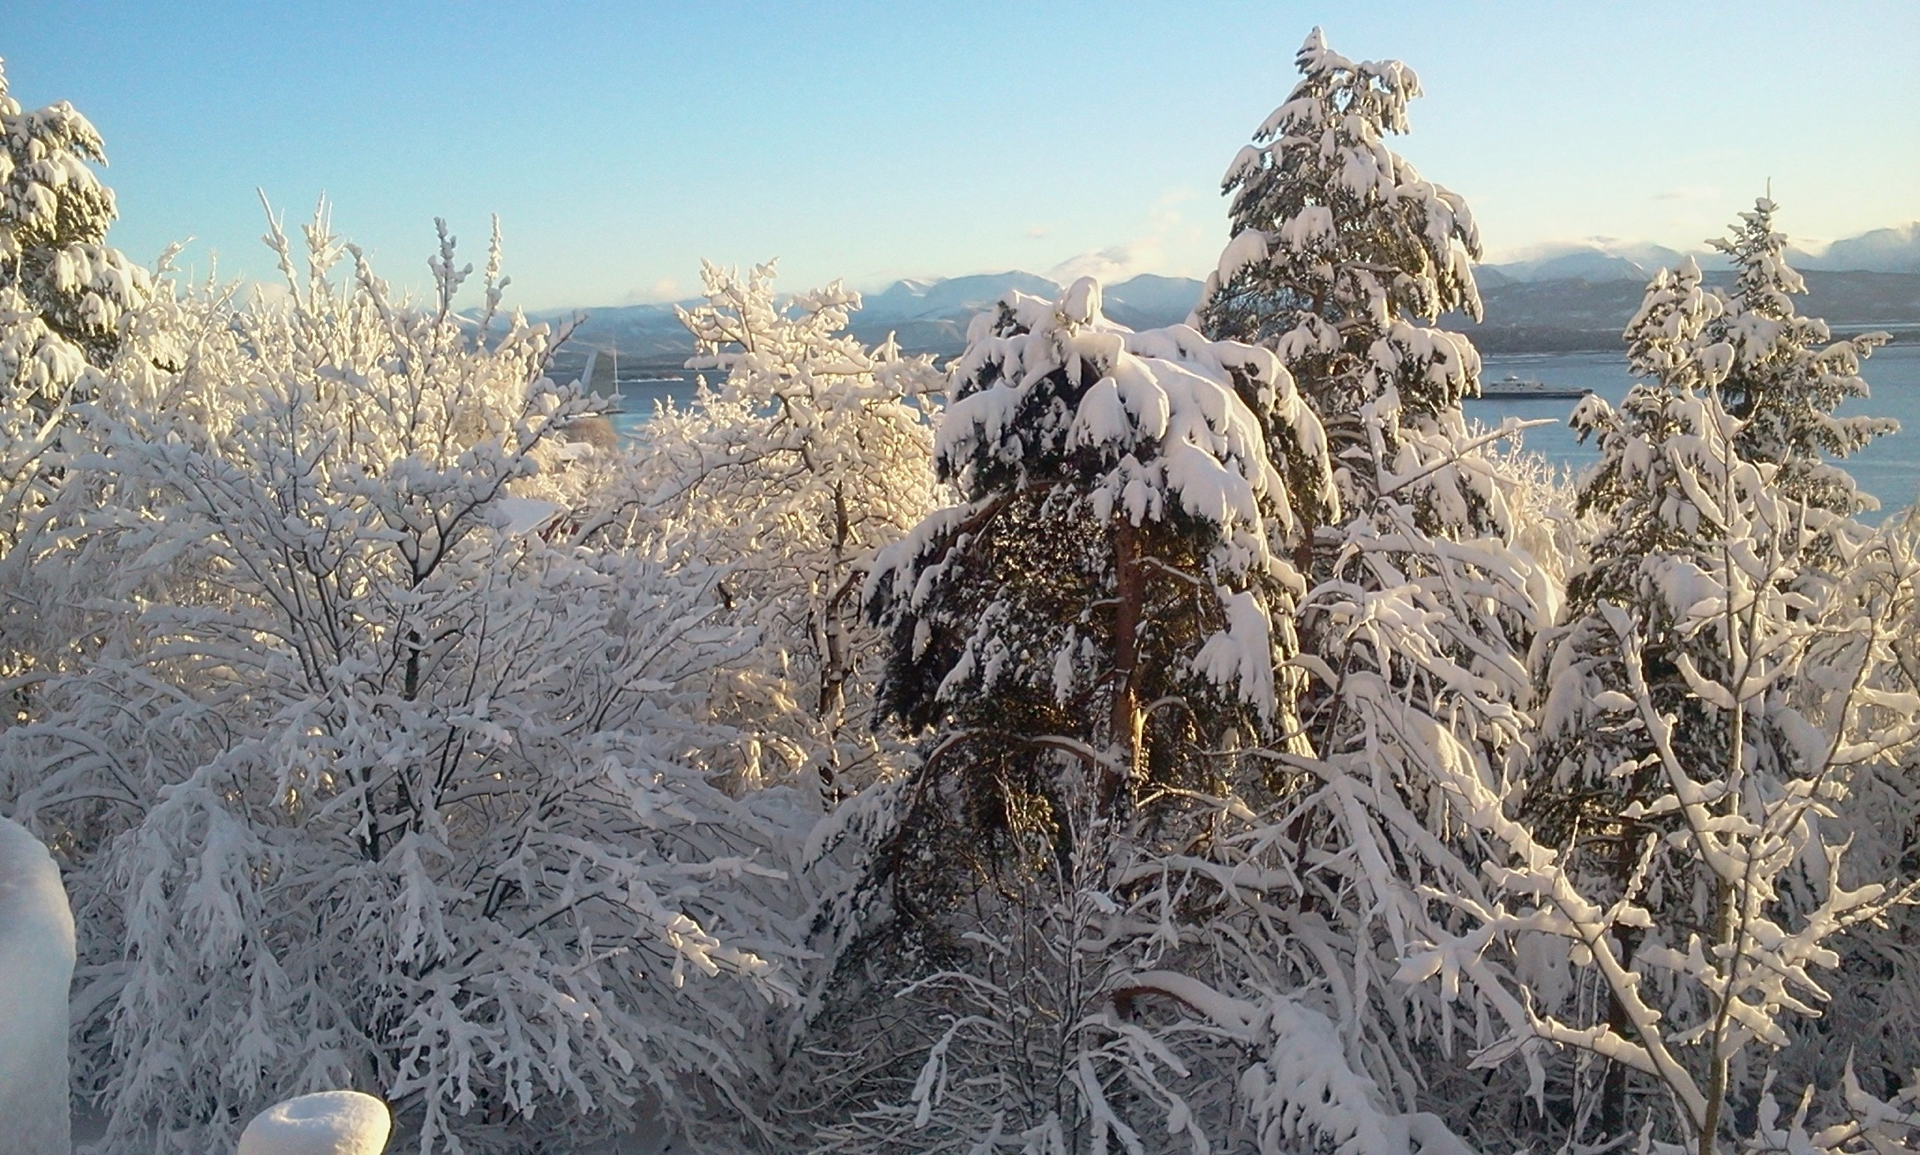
(639, 396)
(1888, 468)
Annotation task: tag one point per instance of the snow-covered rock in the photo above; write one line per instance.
(327, 1123)
(36, 968)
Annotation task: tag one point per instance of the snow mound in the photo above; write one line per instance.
(36, 958)
(327, 1123)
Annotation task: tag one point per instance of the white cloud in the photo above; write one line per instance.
(1108, 265)
(664, 289)
(1149, 252)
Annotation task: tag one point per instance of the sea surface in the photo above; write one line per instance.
(1888, 468)
(639, 396)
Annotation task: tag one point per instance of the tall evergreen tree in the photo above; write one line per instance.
(1786, 374)
(54, 214)
(66, 299)
(1339, 250)
(1107, 595)
(1428, 583)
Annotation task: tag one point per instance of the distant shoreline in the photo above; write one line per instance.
(1504, 341)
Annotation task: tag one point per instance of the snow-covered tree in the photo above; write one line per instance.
(1339, 250)
(66, 300)
(373, 777)
(1786, 373)
(1114, 862)
(1871, 1029)
(41, 375)
(1708, 702)
(1694, 875)
(1108, 593)
(811, 455)
(54, 214)
(1430, 578)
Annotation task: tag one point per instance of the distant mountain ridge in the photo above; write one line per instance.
(1894, 250)
(1572, 298)
(1889, 250)
(1591, 263)
(1575, 314)
(924, 316)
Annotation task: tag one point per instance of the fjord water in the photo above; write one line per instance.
(1888, 468)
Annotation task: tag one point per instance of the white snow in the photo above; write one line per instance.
(36, 967)
(327, 1123)
(520, 516)
(1248, 247)
(1242, 654)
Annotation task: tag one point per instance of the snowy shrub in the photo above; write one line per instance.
(811, 455)
(1027, 1046)
(1100, 1016)
(1872, 1023)
(373, 778)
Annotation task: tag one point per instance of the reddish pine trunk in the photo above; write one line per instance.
(1124, 730)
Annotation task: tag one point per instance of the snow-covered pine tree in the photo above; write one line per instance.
(54, 214)
(1107, 595)
(811, 455)
(374, 778)
(65, 299)
(1339, 250)
(1787, 374)
(1427, 589)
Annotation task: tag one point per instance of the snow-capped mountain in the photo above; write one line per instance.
(1596, 264)
(1894, 250)
(922, 315)
(916, 300)
(1145, 301)
(1889, 250)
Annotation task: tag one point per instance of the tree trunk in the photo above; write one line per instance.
(1125, 735)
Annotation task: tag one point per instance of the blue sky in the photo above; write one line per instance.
(621, 143)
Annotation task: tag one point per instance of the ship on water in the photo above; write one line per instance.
(1513, 387)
